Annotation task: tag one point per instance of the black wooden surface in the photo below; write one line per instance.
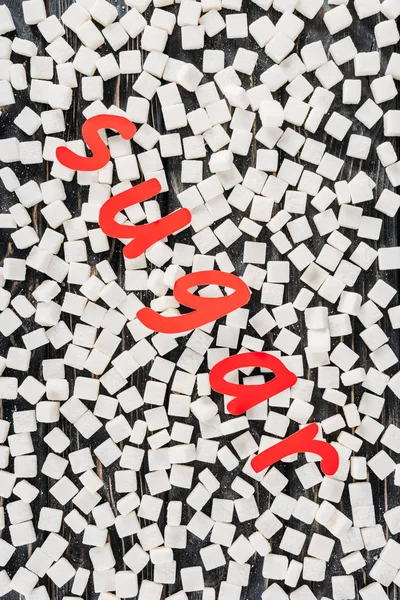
(117, 91)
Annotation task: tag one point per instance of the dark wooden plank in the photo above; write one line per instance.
(386, 494)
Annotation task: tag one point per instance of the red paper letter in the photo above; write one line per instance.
(143, 236)
(302, 441)
(90, 133)
(205, 309)
(247, 396)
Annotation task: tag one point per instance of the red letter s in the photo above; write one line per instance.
(90, 133)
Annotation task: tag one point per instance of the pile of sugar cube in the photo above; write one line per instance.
(122, 473)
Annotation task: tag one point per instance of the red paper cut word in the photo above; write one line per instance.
(301, 441)
(205, 310)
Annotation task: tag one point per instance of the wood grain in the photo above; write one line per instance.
(386, 495)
